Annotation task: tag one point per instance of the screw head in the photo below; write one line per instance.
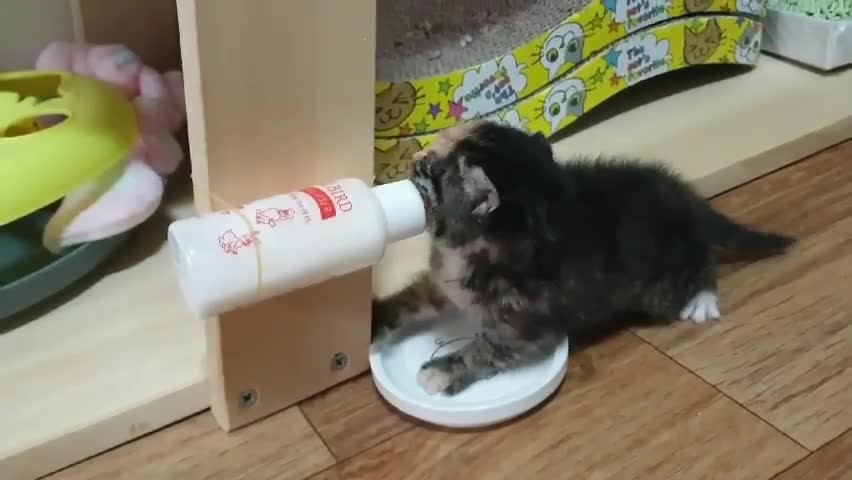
(248, 398)
(339, 361)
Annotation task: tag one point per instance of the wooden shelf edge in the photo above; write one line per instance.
(108, 433)
(106, 361)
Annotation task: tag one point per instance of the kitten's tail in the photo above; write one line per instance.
(741, 240)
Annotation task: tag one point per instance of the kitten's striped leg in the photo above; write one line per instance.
(487, 355)
(419, 301)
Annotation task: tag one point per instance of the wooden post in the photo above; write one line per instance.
(280, 96)
(147, 27)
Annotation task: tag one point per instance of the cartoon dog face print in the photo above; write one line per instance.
(699, 47)
(748, 46)
(566, 98)
(394, 105)
(272, 216)
(230, 242)
(563, 46)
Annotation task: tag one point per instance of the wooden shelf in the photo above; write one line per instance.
(121, 355)
(103, 363)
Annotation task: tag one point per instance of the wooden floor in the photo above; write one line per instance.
(765, 393)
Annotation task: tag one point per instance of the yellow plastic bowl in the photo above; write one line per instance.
(40, 164)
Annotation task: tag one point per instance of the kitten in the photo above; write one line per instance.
(535, 250)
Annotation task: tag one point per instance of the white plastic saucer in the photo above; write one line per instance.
(396, 360)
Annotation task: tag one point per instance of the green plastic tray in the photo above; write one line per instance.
(30, 274)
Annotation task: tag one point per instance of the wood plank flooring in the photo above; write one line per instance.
(765, 393)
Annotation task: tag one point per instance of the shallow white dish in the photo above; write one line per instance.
(396, 361)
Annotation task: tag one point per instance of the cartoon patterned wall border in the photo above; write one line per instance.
(434, 103)
(643, 55)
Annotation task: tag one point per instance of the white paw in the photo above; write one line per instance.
(433, 380)
(702, 308)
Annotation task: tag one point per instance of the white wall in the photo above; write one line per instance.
(26, 26)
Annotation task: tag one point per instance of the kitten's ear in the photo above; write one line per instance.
(478, 188)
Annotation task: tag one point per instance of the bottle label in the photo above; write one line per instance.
(326, 205)
(281, 213)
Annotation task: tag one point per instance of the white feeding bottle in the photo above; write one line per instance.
(230, 259)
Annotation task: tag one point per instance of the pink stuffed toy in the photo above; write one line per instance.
(159, 103)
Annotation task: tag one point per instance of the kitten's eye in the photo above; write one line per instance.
(552, 55)
(555, 109)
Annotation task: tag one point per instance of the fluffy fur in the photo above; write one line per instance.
(535, 250)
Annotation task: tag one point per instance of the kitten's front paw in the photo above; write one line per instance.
(434, 379)
(384, 320)
(513, 301)
(702, 308)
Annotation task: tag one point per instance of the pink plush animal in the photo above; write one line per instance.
(158, 98)
(159, 103)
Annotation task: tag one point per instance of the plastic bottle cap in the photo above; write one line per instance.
(404, 210)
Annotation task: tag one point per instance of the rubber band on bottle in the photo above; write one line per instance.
(222, 203)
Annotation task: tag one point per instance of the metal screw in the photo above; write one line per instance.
(339, 361)
(248, 398)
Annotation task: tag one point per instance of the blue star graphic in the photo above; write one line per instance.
(610, 5)
(612, 57)
(434, 110)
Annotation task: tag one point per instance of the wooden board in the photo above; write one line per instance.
(148, 28)
(112, 358)
(784, 345)
(831, 462)
(268, 114)
(20, 43)
(602, 423)
(283, 447)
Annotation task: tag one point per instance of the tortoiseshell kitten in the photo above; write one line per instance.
(535, 250)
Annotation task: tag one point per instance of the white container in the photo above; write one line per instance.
(230, 259)
(813, 41)
(395, 362)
